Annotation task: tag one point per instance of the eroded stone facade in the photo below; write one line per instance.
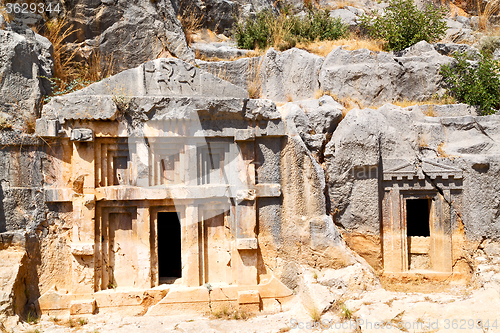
(162, 192)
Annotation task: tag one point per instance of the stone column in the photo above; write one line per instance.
(83, 232)
(244, 257)
(190, 248)
(393, 232)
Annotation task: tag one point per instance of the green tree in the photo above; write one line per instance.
(474, 82)
(404, 25)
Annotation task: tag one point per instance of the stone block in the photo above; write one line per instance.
(82, 307)
(82, 134)
(82, 249)
(244, 134)
(249, 301)
(246, 243)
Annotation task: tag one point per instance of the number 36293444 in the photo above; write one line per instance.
(25, 8)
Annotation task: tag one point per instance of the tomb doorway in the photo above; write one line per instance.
(169, 246)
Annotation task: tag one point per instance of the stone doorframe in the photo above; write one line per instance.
(394, 233)
(435, 179)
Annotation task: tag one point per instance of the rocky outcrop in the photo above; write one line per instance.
(127, 33)
(370, 78)
(25, 57)
(290, 75)
(368, 142)
(221, 15)
(375, 79)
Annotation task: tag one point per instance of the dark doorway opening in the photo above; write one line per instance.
(169, 246)
(417, 217)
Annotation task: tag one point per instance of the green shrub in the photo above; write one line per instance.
(254, 33)
(318, 25)
(474, 83)
(404, 25)
(283, 31)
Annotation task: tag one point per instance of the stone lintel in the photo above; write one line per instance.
(244, 134)
(82, 249)
(246, 243)
(58, 194)
(182, 192)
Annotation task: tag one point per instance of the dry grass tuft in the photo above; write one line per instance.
(279, 29)
(253, 79)
(445, 100)
(323, 48)
(191, 23)
(57, 31)
(490, 9)
(3, 12)
(344, 3)
(226, 313)
(68, 72)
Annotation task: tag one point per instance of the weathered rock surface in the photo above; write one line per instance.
(242, 72)
(315, 121)
(369, 139)
(290, 75)
(378, 78)
(24, 58)
(127, 33)
(221, 15)
(368, 77)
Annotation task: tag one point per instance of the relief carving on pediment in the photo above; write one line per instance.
(170, 77)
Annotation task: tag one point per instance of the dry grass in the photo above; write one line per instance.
(57, 31)
(323, 48)
(66, 67)
(445, 100)
(253, 79)
(226, 313)
(191, 23)
(347, 102)
(3, 12)
(344, 3)
(94, 70)
(484, 14)
(441, 152)
(279, 28)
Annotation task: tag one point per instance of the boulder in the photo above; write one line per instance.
(376, 78)
(25, 57)
(128, 33)
(349, 15)
(221, 15)
(289, 75)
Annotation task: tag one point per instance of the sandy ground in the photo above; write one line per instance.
(379, 310)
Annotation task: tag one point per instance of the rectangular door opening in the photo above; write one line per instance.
(417, 217)
(418, 233)
(169, 247)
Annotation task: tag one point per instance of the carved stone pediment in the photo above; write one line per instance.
(409, 169)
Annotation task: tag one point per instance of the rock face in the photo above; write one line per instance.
(378, 78)
(24, 58)
(221, 15)
(290, 75)
(128, 33)
(372, 151)
(367, 77)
